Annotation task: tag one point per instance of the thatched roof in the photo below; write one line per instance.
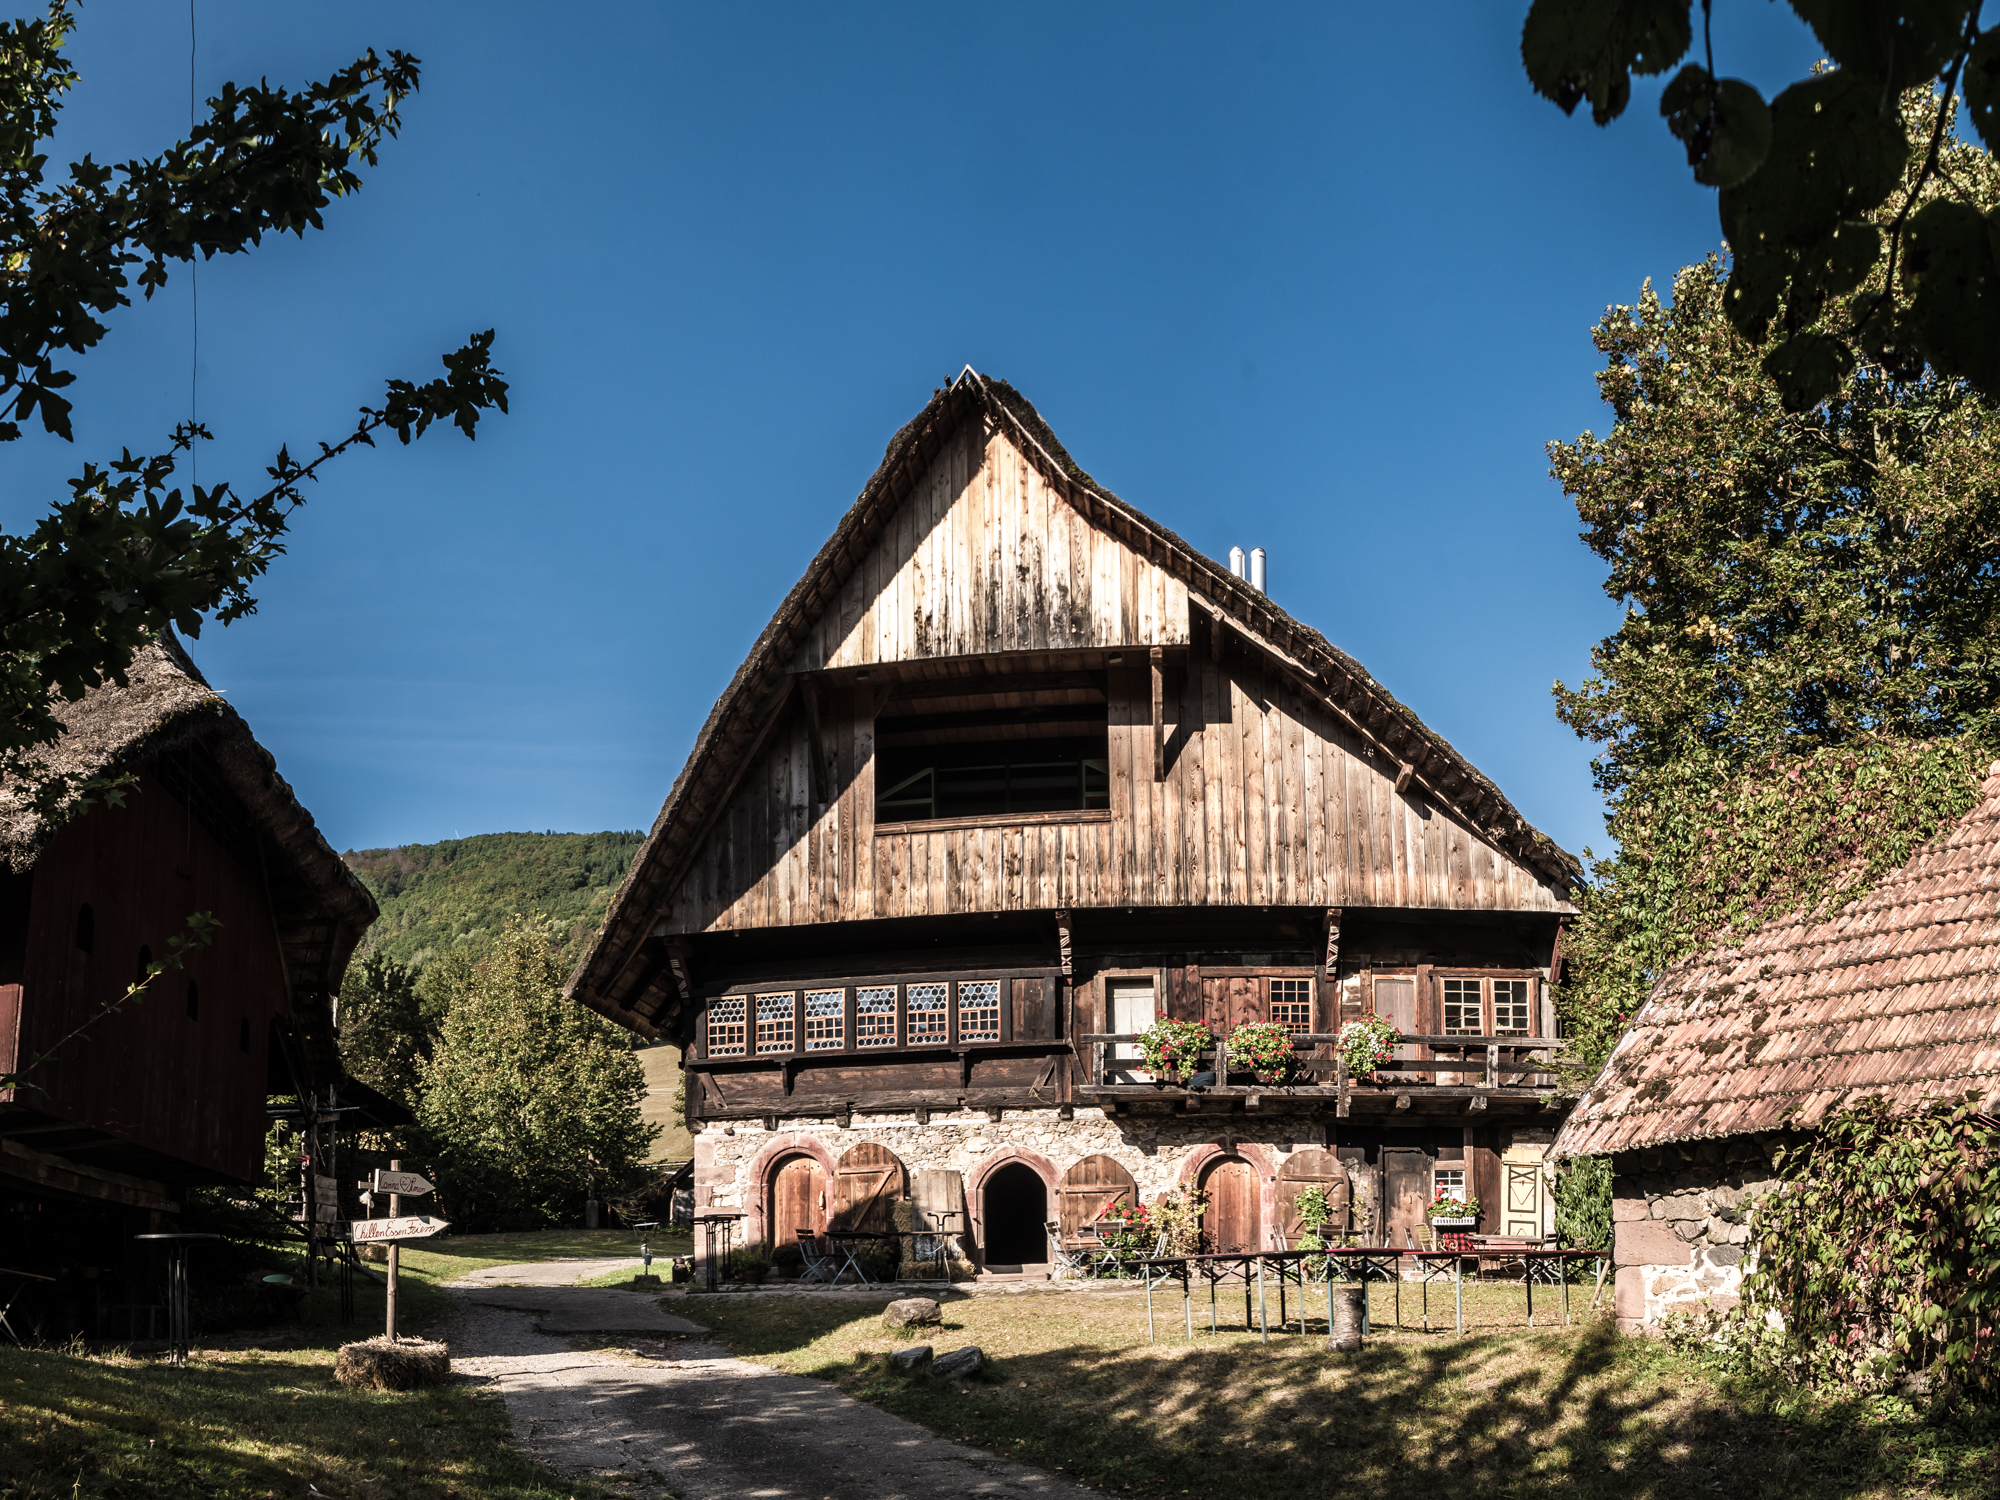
(1897, 994)
(605, 979)
(165, 706)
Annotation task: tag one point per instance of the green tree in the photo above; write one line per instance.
(382, 1031)
(1825, 192)
(528, 1094)
(127, 553)
(1806, 682)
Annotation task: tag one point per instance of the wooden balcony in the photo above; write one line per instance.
(1513, 1069)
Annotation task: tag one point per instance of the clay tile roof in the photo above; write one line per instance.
(1896, 994)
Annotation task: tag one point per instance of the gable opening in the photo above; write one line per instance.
(1029, 750)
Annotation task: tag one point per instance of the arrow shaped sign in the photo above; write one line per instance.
(413, 1227)
(409, 1184)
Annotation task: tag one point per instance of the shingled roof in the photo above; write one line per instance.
(1897, 994)
(604, 978)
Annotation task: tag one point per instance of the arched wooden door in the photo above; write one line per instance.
(1231, 1220)
(798, 1200)
(1304, 1169)
(868, 1183)
(1089, 1188)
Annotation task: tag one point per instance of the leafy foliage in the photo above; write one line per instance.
(1583, 1203)
(125, 555)
(1367, 1044)
(527, 1095)
(1881, 1249)
(382, 1032)
(1827, 187)
(1172, 1049)
(1264, 1047)
(440, 899)
(1805, 684)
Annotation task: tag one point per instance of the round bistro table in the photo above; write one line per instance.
(177, 1246)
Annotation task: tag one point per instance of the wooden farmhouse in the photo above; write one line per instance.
(1012, 772)
(123, 1106)
(1750, 1045)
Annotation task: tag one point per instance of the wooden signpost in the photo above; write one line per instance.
(397, 1184)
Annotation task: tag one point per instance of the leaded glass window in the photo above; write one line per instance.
(726, 1022)
(826, 1020)
(775, 1022)
(875, 1016)
(930, 1015)
(979, 1011)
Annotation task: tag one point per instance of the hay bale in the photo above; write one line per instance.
(378, 1365)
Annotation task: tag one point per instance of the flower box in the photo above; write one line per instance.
(1467, 1223)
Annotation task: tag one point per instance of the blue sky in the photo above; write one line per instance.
(1313, 278)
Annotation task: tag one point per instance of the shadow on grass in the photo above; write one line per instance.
(1582, 1411)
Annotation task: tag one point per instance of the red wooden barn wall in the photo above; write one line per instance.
(150, 1075)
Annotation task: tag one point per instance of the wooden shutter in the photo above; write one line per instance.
(1090, 1187)
(1246, 1002)
(1482, 1176)
(868, 1184)
(1303, 1169)
(1030, 1020)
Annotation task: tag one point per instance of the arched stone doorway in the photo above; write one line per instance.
(1016, 1218)
(1232, 1220)
(796, 1200)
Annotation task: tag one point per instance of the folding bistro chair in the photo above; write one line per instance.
(818, 1257)
(1064, 1260)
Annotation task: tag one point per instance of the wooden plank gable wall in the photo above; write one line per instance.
(1267, 799)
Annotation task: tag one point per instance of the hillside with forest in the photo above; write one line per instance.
(452, 897)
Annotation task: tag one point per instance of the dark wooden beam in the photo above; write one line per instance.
(1159, 661)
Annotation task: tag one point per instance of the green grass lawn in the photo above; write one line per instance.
(258, 1414)
(1502, 1411)
(455, 1254)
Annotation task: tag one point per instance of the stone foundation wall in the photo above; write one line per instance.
(1680, 1221)
(732, 1162)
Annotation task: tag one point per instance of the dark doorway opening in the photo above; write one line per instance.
(1017, 1218)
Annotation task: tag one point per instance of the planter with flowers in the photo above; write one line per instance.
(1453, 1218)
(1265, 1048)
(1368, 1045)
(1128, 1230)
(1172, 1049)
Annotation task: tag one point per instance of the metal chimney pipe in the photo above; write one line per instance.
(1257, 569)
(1236, 561)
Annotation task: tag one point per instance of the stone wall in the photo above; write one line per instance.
(1680, 1221)
(732, 1161)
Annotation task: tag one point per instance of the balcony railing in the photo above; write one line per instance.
(1494, 1059)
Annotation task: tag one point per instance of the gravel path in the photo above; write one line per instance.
(696, 1423)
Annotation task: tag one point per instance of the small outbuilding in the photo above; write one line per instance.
(1740, 1048)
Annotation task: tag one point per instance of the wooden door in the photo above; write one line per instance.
(867, 1186)
(798, 1200)
(1396, 1003)
(1406, 1193)
(1521, 1200)
(1304, 1169)
(1132, 1011)
(1090, 1187)
(1231, 1220)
